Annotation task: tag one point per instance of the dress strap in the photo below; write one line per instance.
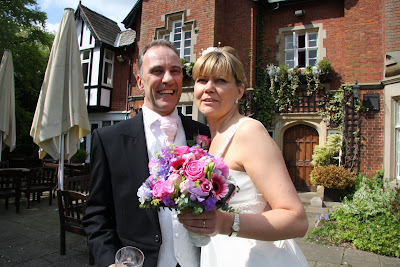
(230, 136)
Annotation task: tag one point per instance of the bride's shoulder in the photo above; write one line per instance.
(250, 125)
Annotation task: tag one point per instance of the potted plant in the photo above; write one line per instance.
(325, 70)
(80, 156)
(334, 179)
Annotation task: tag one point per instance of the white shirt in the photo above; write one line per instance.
(176, 245)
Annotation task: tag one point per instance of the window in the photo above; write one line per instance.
(181, 39)
(85, 60)
(108, 67)
(186, 110)
(301, 49)
(397, 129)
(180, 31)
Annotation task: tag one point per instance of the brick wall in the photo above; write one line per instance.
(392, 25)
(371, 152)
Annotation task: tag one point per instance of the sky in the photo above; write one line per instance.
(115, 10)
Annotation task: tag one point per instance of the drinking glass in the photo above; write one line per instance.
(129, 256)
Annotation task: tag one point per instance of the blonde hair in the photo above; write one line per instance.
(221, 61)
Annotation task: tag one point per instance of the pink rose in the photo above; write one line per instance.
(181, 150)
(198, 152)
(176, 164)
(169, 187)
(158, 189)
(175, 178)
(194, 170)
(203, 141)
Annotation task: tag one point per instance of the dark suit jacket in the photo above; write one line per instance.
(113, 218)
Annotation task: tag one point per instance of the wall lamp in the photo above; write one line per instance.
(356, 92)
(299, 12)
(120, 58)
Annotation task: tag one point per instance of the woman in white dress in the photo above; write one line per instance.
(269, 211)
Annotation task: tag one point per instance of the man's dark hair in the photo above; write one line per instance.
(160, 42)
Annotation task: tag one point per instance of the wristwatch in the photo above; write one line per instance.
(235, 225)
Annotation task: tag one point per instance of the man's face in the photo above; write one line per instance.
(161, 79)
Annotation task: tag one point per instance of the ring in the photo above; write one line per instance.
(204, 223)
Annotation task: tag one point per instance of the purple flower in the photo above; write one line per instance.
(197, 194)
(209, 203)
(168, 202)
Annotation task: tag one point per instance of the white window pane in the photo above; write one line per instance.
(312, 62)
(312, 54)
(108, 55)
(188, 35)
(178, 45)
(187, 51)
(178, 30)
(177, 36)
(107, 73)
(289, 55)
(178, 24)
(289, 42)
(187, 43)
(312, 40)
(166, 37)
(187, 58)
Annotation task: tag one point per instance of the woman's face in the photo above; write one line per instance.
(216, 95)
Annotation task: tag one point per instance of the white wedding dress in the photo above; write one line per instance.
(223, 251)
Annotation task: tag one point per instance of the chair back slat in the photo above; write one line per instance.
(79, 183)
(71, 206)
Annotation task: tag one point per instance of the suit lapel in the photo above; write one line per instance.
(135, 132)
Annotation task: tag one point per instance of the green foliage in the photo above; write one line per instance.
(187, 67)
(22, 33)
(80, 156)
(325, 155)
(332, 176)
(324, 66)
(369, 221)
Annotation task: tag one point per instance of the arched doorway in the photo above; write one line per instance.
(298, 146)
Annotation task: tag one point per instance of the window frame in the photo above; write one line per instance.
(84, 62)
(397, 139)
(171, 37)
(296, 50)
(111, 62)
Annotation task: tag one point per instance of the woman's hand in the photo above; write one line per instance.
(208, 223)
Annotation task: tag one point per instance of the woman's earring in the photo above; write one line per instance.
(237, 101)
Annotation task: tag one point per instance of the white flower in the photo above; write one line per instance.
(210, 49)
(141, 195)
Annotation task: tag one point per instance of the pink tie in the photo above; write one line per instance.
(169, 126)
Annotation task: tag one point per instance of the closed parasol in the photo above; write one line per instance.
(61, 117)
(7, 102)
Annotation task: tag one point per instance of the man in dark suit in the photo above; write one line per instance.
(120, 156)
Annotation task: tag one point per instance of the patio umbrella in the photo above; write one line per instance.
(7, 102)
(61, 116)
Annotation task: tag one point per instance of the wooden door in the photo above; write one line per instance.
(298, 146)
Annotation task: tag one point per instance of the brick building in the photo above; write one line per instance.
(359, 38)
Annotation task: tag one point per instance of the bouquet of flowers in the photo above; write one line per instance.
(183, 177)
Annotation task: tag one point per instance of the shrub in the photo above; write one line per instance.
(80, 156)
(370, 221)
(326, 155)
(332, 176)
(324, 66)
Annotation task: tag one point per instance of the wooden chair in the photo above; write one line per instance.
(77, 183)
(10, 183)
(71, 207)
(38, 181)
(4, 164)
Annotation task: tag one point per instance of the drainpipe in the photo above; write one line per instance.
(128, 87)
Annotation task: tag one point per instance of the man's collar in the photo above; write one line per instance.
(152, 116)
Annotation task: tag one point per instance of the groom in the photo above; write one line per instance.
(120, 156)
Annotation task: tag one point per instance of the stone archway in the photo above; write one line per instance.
(298, 146)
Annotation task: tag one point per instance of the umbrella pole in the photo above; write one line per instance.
(1, 143)
(61, 163)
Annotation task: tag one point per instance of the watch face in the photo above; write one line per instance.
(235, 228)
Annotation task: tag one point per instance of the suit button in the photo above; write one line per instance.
(157, 238)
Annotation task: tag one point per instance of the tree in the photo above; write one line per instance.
(23, 33)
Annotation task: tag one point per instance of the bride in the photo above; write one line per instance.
(268, 210)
